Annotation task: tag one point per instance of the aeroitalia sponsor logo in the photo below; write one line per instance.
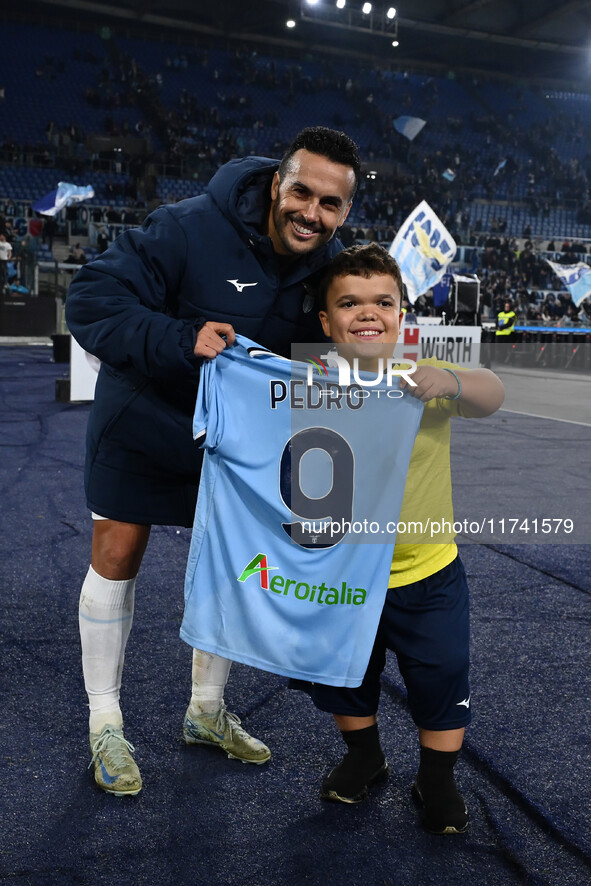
(321, 593)
(258, 566)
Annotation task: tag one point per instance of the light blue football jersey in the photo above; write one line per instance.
(280, 575)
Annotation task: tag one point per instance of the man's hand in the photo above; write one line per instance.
(431, 382)
(212, 338)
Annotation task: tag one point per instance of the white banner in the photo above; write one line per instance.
(455, 344)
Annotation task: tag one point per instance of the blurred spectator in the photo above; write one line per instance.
(17, 288)
(49, 231)
(5, 255)
(102, 240)
(80, 255)
(76, 256)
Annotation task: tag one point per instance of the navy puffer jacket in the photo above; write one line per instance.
(139, 305)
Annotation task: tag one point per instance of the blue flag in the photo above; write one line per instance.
(442, 289)
(409, 127)
(63, 195)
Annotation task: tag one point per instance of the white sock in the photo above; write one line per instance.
(210, 675)
(105, 617)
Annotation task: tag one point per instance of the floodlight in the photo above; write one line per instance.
(366, 8)
(341, 4)
(395, 43)
(391, 12)
(290, 23)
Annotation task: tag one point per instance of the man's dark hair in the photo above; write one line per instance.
(336, 146)
(359, 261)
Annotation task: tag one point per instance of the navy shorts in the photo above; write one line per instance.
(142, 464)
(426, 624)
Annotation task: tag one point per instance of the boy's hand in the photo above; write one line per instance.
(431, 382)
(212, 338)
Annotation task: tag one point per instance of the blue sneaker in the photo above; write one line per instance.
(224, 730)
(115, 770)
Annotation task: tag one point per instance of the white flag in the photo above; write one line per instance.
(423, 248)
(576, 278)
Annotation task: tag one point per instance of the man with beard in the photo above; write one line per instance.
(160, 300)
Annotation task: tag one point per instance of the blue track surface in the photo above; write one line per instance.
(203, 818)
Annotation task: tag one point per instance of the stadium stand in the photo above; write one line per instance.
(146, 122)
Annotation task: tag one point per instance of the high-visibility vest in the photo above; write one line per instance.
(506, 321)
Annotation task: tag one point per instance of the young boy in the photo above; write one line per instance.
(425, 619)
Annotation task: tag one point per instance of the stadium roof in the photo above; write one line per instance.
(545, 39)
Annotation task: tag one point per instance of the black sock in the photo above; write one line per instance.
(435, 778)
(362, 766)
(364, 748)
(444, 810)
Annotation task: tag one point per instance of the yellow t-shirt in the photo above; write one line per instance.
(427, 501)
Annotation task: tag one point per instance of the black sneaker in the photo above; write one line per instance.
(449, 818)
(347, 783)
